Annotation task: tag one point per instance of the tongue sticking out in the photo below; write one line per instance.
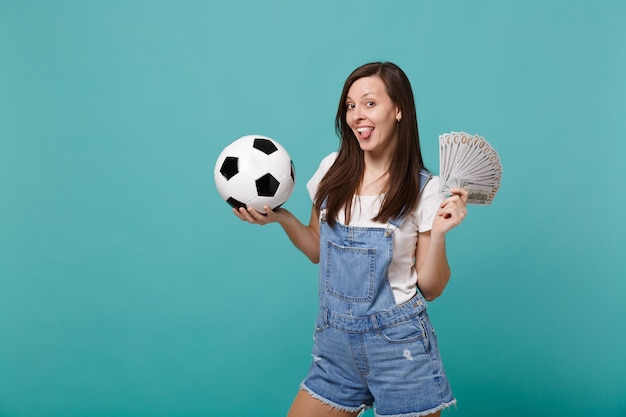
(365, 134)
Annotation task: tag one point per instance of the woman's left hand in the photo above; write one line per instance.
(451, 212)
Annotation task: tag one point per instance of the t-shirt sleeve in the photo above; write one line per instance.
(315, 180)
(428, 205)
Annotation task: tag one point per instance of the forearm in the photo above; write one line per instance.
(434, 272)
(306, 238)
(431, 260)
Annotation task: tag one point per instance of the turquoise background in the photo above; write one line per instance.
(128, 288)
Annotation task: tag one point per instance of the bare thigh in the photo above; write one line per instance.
(304, 405)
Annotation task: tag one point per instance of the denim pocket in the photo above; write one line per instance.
(350, 272)
(410, 331)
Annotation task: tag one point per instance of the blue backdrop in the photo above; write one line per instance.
(128, 288)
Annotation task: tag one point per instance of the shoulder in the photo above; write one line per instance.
(428, 204)
(432, 185)
(323, 168)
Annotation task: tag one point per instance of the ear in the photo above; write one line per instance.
(398, 114)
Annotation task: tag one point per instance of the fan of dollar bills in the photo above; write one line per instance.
(469, 162)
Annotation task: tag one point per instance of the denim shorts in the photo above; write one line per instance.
(391, 360)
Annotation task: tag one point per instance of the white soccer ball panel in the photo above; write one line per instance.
(253, 163)
(259, 202)
(240, 187)
(279, 165)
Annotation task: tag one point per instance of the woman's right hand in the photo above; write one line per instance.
(251, 215)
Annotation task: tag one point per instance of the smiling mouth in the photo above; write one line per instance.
(365, 132)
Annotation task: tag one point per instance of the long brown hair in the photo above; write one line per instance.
(342, 180)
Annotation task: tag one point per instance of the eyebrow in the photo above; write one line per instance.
(366, 94)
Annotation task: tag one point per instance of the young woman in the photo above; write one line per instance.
(377, 228)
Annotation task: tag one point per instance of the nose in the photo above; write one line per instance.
(356, 114)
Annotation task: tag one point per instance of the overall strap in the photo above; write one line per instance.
(425, 176)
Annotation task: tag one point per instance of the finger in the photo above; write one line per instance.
(450, 201)
(461, 192)
(445, 211)
(254, 213)
(453, 212)
(243, 214)
(239, 213)
(258, 217)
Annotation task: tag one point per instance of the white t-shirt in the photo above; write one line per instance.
(402, 274)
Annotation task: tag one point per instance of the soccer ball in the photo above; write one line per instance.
(255, 171)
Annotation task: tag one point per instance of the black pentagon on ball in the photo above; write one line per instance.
(266, 186)
(236, 203)
(293, 172)
(230, 167)
(265, 145)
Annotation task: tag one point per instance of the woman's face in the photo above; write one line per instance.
(372, 115)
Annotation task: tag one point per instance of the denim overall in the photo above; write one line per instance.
(366, 346)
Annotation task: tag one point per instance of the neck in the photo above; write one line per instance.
(378, 163)
(375, 177)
